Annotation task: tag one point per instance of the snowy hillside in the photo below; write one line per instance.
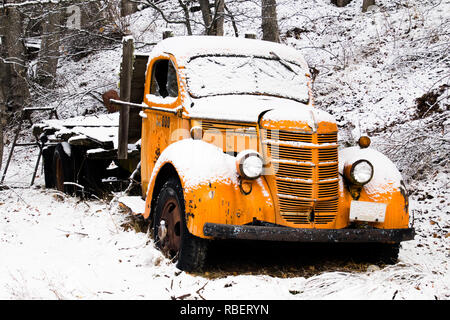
(385, 72)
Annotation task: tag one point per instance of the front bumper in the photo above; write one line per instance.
(275, 233)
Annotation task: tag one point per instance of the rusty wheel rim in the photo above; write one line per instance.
(59, 174)
(170, 245)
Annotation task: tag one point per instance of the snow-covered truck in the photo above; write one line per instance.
(232, 147)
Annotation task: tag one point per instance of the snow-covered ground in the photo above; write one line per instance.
(372, 68)
(58, 247)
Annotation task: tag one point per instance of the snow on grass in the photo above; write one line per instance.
(55, 246)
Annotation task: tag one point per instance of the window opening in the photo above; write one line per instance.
(164, 80)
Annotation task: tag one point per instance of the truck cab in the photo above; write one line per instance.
(234, 148)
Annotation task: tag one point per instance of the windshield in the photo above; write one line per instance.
(223, 75)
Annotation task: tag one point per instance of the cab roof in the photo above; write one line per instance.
(185, 48)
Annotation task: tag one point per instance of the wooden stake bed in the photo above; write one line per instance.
(91, 132)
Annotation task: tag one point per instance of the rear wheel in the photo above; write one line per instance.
(170, 232)
(63, 170)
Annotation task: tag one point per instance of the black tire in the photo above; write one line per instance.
(190, 252)
(91, 174)
(386, 253)
(64, 170)
(47, 161)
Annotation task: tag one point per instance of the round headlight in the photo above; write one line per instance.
(249, 164)
(361, 172)
(197, 133)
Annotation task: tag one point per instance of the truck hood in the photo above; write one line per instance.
(276, 112)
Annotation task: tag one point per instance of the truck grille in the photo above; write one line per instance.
(306, 175)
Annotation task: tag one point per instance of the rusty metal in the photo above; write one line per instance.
(247, 232)
(59, 174)
(171, 243)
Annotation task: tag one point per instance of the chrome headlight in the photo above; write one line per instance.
(249, 164)
(361, 172)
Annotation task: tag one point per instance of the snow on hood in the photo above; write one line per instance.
(306, 114)
(247, 108)
(188, 157)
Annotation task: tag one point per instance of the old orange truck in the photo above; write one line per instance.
(232, 147)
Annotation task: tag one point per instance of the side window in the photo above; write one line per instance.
(164, 79)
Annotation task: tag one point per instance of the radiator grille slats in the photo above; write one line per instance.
(289, 136)
(290, 153)
(288, 205)
(298, 189)
(327, 138)
(292, 170)
(329, 189)
(328, 172)
(306, 175)
(328, 155)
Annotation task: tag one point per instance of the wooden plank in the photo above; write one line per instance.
(84, 141)
(126, 74)
(137, 96)
(101, 154)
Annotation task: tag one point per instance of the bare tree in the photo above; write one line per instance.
(127, 7)
(186, 20)
(206, 13)
(269, 21)
(341, 3)
(15, 59)
(219, 11)
(2, 107)
(49, 52)
(213, 20)
(366, 4)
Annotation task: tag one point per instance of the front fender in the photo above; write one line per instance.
(386, 186)
(211, 187)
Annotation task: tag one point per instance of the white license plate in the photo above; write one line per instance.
(367, 211)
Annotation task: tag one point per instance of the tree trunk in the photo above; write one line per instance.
(49, 53)
(220, 11)
(269, 21)
(2, 121)
(206, 14)
(127, 7)
(5, 69)
(341, 3)
(4, 74)
(15, 75)
(366, 4)
(186, 17)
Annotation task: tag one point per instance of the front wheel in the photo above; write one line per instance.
(385, 253)
(170, 232)
(388, 253)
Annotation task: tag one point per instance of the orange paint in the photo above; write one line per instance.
(302, 189)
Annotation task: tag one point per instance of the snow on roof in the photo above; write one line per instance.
(186, 47)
